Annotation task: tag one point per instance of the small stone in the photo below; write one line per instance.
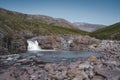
(92, 58)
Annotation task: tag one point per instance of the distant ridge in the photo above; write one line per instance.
(11, 21)
(88, 26)
(109, 32)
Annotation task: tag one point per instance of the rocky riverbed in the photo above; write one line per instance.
(32, 67)
(18, 67)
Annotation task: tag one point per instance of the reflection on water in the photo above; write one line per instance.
(56, 56)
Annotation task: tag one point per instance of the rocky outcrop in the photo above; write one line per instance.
(3, 50)
(109, 46)
(49, 42)
(83, 43)
(13, 44)
(87, 43)
(18, 44)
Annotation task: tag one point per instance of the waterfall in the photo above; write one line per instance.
(33, 45)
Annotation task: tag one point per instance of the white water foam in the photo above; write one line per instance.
(34, 46)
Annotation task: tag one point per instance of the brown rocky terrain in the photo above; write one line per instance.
(104, 67)
(32, 68)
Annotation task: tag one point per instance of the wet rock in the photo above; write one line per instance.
(9, 58)
(25, 61)
(38, 61)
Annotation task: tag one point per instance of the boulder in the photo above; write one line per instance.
(49, 42)
(83, 43)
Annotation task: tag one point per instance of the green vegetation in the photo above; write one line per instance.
(109, 32)
(11, 22)
(15, 22)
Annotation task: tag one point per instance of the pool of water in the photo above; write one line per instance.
(7, 61)
(56, 56)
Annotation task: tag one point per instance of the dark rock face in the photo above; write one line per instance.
(3, 50)
(13, 44)
(18, 44)
(83, 43)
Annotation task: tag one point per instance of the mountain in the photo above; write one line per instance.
(11, 21)
(109, 32)
(87, 26)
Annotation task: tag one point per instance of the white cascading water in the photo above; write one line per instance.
(33, 45)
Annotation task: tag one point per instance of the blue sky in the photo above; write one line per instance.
(92, 11)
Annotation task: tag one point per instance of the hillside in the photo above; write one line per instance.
(11, 21)
(16, 27)
(88, 26)
(109, 32)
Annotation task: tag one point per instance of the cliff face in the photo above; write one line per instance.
(13, 44)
